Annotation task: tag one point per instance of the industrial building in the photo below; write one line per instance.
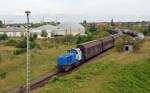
(61, 30)
(13, 31)
(70, 29)
(48, 28)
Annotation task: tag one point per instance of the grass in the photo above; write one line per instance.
(116, 72)
(42, 61)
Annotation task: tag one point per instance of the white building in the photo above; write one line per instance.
(61, 29)
(70, 29)
(48, 28)
(13, 31)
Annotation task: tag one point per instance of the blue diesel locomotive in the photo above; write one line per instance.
(84, 52)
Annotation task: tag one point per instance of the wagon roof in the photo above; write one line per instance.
(90, 44)
(106, 38)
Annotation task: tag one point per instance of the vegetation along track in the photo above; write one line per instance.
(44, 79)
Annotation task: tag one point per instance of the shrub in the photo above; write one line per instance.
(33, 45)
(119, 45)
(121, 41)
(0, 57)
(22, 44)
(99, 34)
(85, 38)
(44, 33)
(19, 51)
(11, 42)
(3, 37)
(35, 36)
(137, 45)
(2, 74)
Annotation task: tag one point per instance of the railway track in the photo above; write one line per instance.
(37, 83)
(44, 79)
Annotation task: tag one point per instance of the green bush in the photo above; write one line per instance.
(0, 57)
(85, 38)
(19, 51)
(137, 45)
(35, 36)
(11, 42)
(2, 74)
(99, 34)
(3, 37)
(119, 45)
(121, 41)
(23, 44)
(34, 45)
(44, 33)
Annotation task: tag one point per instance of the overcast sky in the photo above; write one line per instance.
(76, 10)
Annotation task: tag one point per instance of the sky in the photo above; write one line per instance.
(75, 10)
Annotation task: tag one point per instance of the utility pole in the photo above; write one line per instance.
(149, 28)
(28, 55)
(43, 20)
(56, 20)
(66, 33)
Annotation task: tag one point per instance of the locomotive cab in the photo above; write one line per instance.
(66, 61)
(78, 53)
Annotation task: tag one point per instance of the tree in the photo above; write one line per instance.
(149, 29)
(23, 44)
(35, 36)
(92, 28)
(1, 24)
(112, 23)
(44, 33)
(84, 23)
(85, 38)
(3, 37)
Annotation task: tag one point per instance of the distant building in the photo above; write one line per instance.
(48, 28)
(62, 29)
(13, 31)
(69, 29)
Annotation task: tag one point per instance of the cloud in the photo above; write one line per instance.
(79, 9)
(75, 6)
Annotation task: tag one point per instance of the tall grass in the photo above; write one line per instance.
(117, 72)
(42, 61)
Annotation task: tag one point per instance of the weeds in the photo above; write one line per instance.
(2, 74)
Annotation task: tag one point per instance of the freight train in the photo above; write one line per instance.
(85, 51)
(138, 35)
(132, 33)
